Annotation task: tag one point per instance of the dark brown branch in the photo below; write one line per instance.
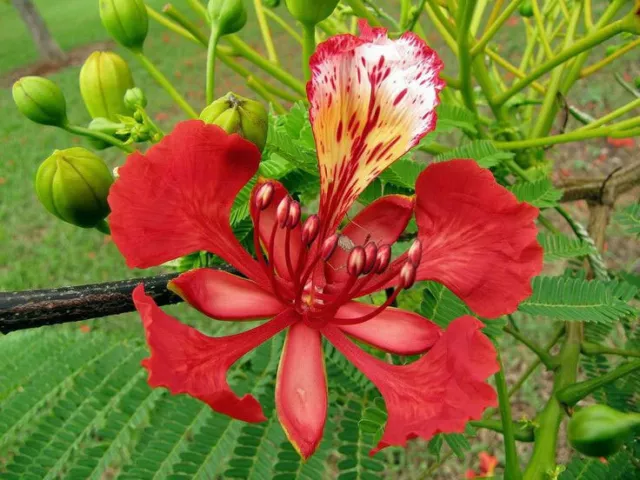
(592, 188)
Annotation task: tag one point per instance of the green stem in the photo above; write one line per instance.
(543, 459)
(613, 115)
(276, 72)
(308, 47)
(521, 431)
(360, 10)
(542, 34)
(433, 148)
(86, 132)
(211, 63)
(103, 227)
(542, 354)
(257, 87)
(284, 25)
(182, 20)
(467, 8)
(264, 29)
(166, 84)
(495, 26)
(574, 136)
(590, 348)
(512, 467)
(174, 27)
(580, 46)
(572, 394)
(413, 21)
(199, 8)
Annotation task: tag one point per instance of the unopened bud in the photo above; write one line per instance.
(282, 212)
(104, 79)
(126, 21)
(134, 98)
(294, 215)
(73, 185)
(415, 253)
(311, 13)
(329, 246)
(227, 16)
(40, 100)
(236, 114)
(383, 258)
(264, 195)
(407, 275)
(356, 261)
(310, 229)
(371, 254)
(107, 127)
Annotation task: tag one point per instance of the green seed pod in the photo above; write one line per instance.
(236, 114)
(73, 185)
(526, 9)
(104, 79)
(227, 16)
(134, 98)
(126, 21)
(311, 12)
(41, 101)
(599, 430)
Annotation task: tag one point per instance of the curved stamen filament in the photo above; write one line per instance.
(271, 272)
(369, 316)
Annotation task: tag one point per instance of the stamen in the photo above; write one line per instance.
(407, 275)
(264, 196)
(383, 258)
(369, 316)
(294, 215)
(415, 253)
(329, 246)
(282, 212)
(310, 230)
(371, 254)
(356, 261)
(271, 273)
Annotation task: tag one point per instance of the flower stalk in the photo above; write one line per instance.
(512, 468)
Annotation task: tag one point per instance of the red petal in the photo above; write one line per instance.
(225, 296)
(477, 239)
(381, 222)
(439, 392)
(176, 198)
(393, 330)
(372, 99)
(301, 390)
(186, 361)
(268, 220)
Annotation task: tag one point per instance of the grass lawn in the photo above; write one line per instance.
(38, 251)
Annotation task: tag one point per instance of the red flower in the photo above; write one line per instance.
(372, 99)
(488, 464)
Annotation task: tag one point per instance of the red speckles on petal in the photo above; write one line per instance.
(400, 96)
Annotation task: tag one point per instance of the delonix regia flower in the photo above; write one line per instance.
(372, 99)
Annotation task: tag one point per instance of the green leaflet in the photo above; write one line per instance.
(559, 247)
(629, 219)
(540, 193)
(483, 152)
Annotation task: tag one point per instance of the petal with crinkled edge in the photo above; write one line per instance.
(372, 99)
(184, 360)
(176, 198)
(477, 239)
(440, 392)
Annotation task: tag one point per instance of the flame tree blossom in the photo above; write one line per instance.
(372, 99)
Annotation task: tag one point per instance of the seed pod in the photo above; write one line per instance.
(311, 12)
(126, 21)
(236, 114)
(356, 261)
(41, 101)
(73, 185)
(227, 16)
(104, 80)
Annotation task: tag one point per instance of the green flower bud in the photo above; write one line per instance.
(108, 127)
(73, 185)
(526, 9)
(636, 82)
(311, 12)
(599, 430)
(134, 98)
(126, 21)
(41, 101)
(236, 114)
(104, 79)
(228, 16)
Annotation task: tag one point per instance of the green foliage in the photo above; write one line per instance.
(559, 247)
(540, 193)
(617, 467)
(576, 299)
(482, 151)
(454, 117)
(629, 219)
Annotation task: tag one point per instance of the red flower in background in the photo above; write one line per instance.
(488, 464)
(372, 99)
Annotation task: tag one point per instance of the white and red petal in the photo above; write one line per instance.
(176, 198)
(301, 389)
(372, 99)
(394, 330)
(268, 221)
(184, 360)
(438, 393)
(477, 239)
(381, 222)
(225, 296)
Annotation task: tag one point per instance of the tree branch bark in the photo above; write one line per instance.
(595, 189)
(47, 46)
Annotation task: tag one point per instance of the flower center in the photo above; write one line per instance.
(302, 281)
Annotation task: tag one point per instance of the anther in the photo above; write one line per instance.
(407, 275)
(310, 229)
(356, 261)
(383, 258)
(294, 215)
(415, 253)
(282, 212)
(264, 196)
(370, 256)
(329, 246)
